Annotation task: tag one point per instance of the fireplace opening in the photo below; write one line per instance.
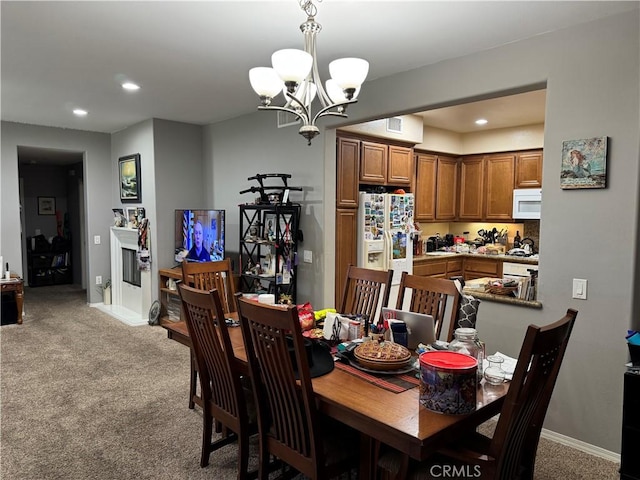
(130, 272)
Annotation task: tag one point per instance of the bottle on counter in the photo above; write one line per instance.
(517, 241)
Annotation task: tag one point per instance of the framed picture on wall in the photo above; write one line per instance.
(129, 168)
(584, 163)
(46, 205)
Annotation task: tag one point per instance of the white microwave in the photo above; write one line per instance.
(527, 203)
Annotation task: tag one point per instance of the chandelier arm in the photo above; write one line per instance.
(326, 110)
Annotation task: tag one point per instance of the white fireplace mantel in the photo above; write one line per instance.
(129, 303)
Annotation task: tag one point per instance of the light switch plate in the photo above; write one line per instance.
(96, 239)
(580, 288)
(307, 256)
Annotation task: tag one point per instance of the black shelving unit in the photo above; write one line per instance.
(629, 459)
(49, 267)
(269, 249)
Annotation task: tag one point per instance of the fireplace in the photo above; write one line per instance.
(130, 287)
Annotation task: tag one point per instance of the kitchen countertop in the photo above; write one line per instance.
(482, 295)
(500, 257)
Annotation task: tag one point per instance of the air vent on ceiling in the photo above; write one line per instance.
(286, 119)
(394, 124)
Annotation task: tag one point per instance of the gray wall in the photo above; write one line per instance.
(97, 167)
(243, 147)
(171, 170)
(179, 181)
(592, 78)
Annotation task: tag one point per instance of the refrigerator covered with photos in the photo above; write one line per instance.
(385, 227)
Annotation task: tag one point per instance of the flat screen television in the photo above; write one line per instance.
(199, 235)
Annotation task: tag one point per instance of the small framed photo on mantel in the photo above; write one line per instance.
(129, 173)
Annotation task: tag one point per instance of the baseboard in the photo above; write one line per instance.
(580, 445)
(577, 444)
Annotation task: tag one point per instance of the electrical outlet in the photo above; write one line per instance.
(98, 279)
(307, 256)
(96, 239)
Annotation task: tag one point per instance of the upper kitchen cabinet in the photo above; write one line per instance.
(382, 164)
(347, 172)
(400, 167)
(471, 188)
(436, 187)
(529, 169)
(425, 189)
(447, 188)
(500, 174)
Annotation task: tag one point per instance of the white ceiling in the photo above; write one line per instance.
(192, 58)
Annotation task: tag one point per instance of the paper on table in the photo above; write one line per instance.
(509, 365)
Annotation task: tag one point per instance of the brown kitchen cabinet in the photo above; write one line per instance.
(482, 267)
(471, 188)
(436, 187)
(347, 172)
(400, 166)
(346, 248)
(425, 187)
(529, 169)
(382, 164)
(438, 267)
(500, 174)
(447, 188)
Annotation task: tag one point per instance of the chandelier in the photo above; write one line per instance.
(295, 74)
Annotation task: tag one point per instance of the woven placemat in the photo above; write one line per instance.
(393, 383)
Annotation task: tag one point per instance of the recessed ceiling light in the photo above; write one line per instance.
(130, 86)
(481, 121)
(79, 112)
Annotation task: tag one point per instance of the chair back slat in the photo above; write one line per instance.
(286, 409)
(365, 292)
(219, 381)
(515, 440)
(209, 276)
(430, 296)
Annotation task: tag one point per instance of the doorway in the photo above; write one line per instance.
(52, 216)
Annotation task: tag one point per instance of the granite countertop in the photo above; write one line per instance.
(500, 257)
(482, 295)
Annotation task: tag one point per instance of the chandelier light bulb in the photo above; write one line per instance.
(265, 81)
(349, 72)
(336, 94)
(292, 65)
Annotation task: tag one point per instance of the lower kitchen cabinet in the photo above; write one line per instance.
(440, 268)
(482, 267)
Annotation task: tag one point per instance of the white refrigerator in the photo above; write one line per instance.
(385, 227)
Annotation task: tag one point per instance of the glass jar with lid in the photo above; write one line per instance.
(466, 341)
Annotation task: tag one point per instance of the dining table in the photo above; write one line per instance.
(395, 418)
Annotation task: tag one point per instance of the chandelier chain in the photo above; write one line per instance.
(309, 8)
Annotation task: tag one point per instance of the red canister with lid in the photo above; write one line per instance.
(448, 382)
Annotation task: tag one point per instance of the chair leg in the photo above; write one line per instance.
(243, 456)
(207, 424)
(263, 465)
(194, 381)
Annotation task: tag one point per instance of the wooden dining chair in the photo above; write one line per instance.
(223, 395)
(365, 292)
(430, 295)
(208, 276)
(511, 452)
(290, 426)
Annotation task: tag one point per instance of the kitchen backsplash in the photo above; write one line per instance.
(529, 228)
